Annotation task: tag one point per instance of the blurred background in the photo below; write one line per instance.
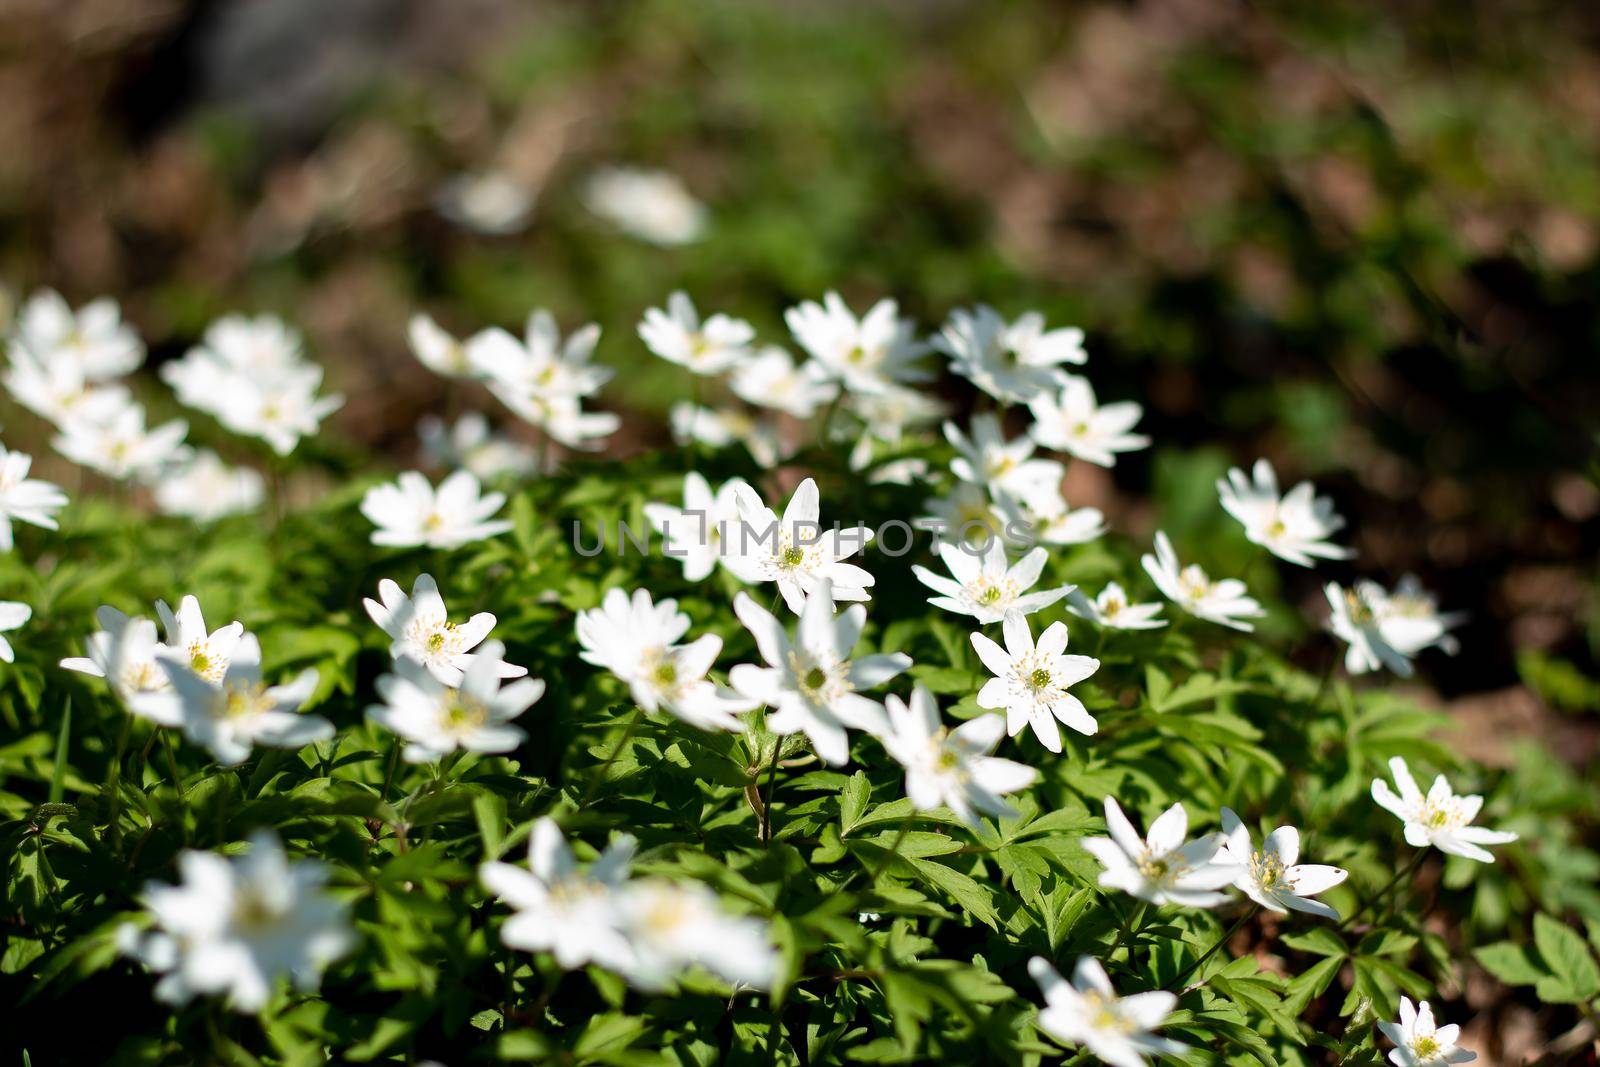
(1360, 240)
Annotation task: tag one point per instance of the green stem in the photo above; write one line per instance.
(114, 786)
(1133, 919)
(772, 787)
(622, 743)
(1401, 874)
(1223, 940)
(388, 776)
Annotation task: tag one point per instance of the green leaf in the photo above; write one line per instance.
(1511, 963)
(1567, 955)
(972, 897)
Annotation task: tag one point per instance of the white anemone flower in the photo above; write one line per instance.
(1045, 513)
(280, 410)
(470, 444)
(205, 652)
(410, 511)
(1273, 875)
(1004, 468)
(1440, 818)
(696, 533)
(206, 489)
(1031, 681)
(420, 629)
(796, 553)
(259, 348)
(810, 680)
(771, 379)
(651, 205)
(679, 336)
(1088, 1012)
(125, 651)
(1114, 610)
(967, 515)
(721, 427)
(24, 499)
(868, 355)
(673, 926)
(1162, 868)
(60, 392)
(1353, 619)
(234, 926)
(473, 716)
(12, 615)
(1410, 619)
(1226, 602)
(542, 364)
(985, 586)
(574, 914)
(1012, 362)
(1295, 526)
(952, 767)
(1420, 1041)
(437, 350)
(241, 711)
(120, 447)
(636, 640)
(93, 339)
(1072, 421)
(490, 202)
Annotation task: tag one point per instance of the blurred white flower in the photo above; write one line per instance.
(1162, 868)
(678, 336)
(1420, 1042)
(1044, 512)
(985, 585)
(410, 511)
(1441, 818)
(1012, 362)
(1354, 620)
(695, 533)
(120, 447)
(810, 681)
(771, 379)
(124, 652)
(796, 553)
(93, 340)
(651, 205)
(1072, 421)
(420, 629)
(438, 350)
(24, 499)
(236, 925)
(1272, 875)
(1088, 1012)
(967, 515)
(206, 489)
(232, 715)
(1226, 602)
(473, 714)
(1113, 609)
(672, 926)
(719, 428)
(1295, 527)
(952, 767)
(1004, 468)
(59, 392)
(12, 615)
(279, 411)
(1411, 620)
(1030, 681)
(490, 202)
(471, 444)
(544, 380)
(867, 355)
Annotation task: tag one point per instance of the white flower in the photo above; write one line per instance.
(235, 925)
(1113, 609)
(1002, 467)
(1030, 681)
(259, 348)
(651, 205)
(695, 533)
(1294, 527)
(868, 355)
(810, 679)
(12, 615)
(24, 499)
(719, 428)
(1046, 514)
(984, 587)
(472, 445)
(472, 715)
(636, 640)
(1089, 1012)
(572, 914)
(1410, 618)
(889, 414)
(205, 652)
(770, 379)
(279, 410)
(59, 391)
(1421, 1043)
(120, 447)
(420, 629)
(124, 652)
(490, 202)
(1072, 421)
(230, 716)
(967, 515)
(437, 350)
(678, 336)
(671, 926)
(1011, 362)
(205, 489)
(1354, 620)
(949, 767)
(1441, 818)
(1272, 876)
(1226, 602)
(1163, 868)
(94, 340)
(797, 553)
(542, 364)
(409, 511)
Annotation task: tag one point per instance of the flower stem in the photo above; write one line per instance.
(1400, 875)
(114, 785)
(772, 787)
(622, 743)
(1132, 920)
(1223, 940)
